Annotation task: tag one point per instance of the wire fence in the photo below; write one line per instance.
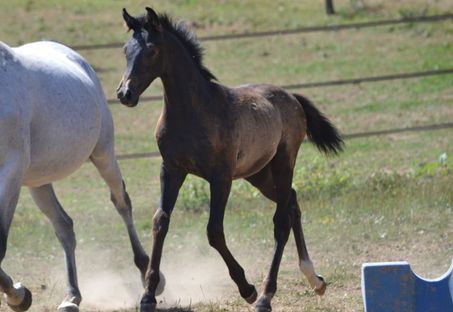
(300, 30)
(350, 136)
(327, 28)
(420, 74)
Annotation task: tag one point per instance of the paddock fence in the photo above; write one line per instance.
(353, 81)
(293, 31)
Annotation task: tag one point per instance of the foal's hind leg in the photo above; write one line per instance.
(282, 173)
(220, 189)
(264, 181)
(45, 199)
(105, 162)
(306, 266)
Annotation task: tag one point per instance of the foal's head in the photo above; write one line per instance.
(147, 53)
(143, 55)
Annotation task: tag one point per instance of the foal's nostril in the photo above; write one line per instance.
(128, 94)
(124, 95)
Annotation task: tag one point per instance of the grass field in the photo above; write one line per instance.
(385, 198)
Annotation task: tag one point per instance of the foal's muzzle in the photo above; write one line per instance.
(125, 95)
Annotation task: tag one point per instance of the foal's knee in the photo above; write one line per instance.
(215, 235)
(161, 221)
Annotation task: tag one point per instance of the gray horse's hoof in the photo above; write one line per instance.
(25, 304)
(68, 307)
(148, 307)
(321, 290)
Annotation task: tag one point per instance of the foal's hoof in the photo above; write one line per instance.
(148, 307)
(252, 295)
(322, 289)
(26, 301)
(68, 307)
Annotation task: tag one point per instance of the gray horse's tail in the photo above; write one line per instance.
(320, 130)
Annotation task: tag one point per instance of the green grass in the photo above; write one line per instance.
(385, 198)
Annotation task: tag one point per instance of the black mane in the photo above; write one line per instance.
(188, 39)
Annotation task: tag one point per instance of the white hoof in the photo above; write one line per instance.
(68, 307)
(161, 286)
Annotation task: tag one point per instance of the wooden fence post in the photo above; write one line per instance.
(329, 7)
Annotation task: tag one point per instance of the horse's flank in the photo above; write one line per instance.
(53, 118)
(47, 93)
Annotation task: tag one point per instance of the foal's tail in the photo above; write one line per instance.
(320, 130)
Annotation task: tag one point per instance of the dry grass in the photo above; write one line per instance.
(384, 199)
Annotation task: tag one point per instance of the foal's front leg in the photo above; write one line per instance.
(220, 189)
(171, 180)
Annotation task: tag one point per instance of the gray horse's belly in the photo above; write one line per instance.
(60, 147)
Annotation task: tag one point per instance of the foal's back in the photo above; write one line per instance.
(58, 105)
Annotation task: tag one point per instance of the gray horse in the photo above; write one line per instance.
(53, 118)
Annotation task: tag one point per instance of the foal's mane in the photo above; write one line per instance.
(187, 38)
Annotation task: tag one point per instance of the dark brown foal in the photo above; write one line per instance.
(221, 134)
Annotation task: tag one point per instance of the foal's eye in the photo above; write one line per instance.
(151, 51)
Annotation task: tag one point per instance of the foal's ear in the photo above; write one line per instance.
(131, 22)
(152, 18)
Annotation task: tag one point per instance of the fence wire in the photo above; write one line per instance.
(300, 30)
(326, 28)
(420, 74)
(345, 136)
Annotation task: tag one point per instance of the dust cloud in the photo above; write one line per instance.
(192, 276)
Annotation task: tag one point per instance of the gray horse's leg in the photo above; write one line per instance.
(17, 297)
(106, 163)
(45, 199)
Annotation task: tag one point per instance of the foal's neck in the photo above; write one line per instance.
(186, 91)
